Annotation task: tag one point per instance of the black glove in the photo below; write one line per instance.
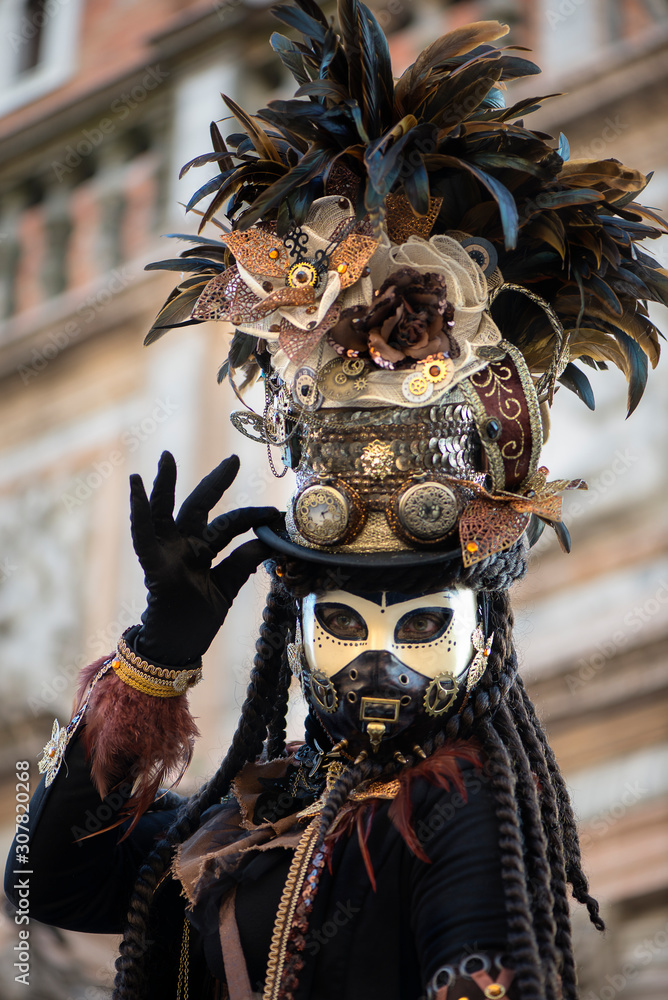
(187, 598)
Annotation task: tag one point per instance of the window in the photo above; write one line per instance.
(38, 42)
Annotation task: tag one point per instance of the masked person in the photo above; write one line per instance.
(396, 275)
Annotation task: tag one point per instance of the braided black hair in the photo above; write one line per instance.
(537, 831)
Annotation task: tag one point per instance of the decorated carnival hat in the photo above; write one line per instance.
(412, 272)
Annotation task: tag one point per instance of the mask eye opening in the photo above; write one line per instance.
(441, 617)
(332, 619)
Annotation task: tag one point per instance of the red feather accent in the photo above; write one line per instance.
(363, 831)
(130, 736)
(359, 815)
(441, 770)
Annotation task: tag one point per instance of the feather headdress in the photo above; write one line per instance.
(565, 230)
(410, 244)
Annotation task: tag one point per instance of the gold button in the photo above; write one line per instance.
(494, 991)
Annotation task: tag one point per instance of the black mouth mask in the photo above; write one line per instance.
(378, 704)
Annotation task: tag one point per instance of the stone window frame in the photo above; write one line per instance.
(57, 62)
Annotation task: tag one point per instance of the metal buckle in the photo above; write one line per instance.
(379, 709)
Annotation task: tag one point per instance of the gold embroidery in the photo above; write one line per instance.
(377, 790)
(286, 909)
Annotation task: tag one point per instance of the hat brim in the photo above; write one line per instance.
(280, 542)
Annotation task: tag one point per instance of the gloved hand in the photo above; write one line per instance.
(187, 598)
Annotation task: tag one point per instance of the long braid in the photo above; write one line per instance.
(512, 783)
(573, 858)
(352, 777)
(246, 745)
(550, 814)
(536, 853)
(521, 938)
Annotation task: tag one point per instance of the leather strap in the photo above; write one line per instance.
(507, 415)
(485, 981)
(456, 988)
(238, 982)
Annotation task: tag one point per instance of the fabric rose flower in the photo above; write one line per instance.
(409, 320)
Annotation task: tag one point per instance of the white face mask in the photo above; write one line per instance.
(430, 634)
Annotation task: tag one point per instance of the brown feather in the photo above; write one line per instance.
(130, 736)
(263, 144)
(454, 43)
(364, 821)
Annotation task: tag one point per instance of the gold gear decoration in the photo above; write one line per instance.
(353, 366)
(418, 385)
(302, 275)
(436, 369)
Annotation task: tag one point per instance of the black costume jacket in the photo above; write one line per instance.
(362, 941)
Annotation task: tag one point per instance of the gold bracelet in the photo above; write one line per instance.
(141, 684)
(132, 658)
(158, 689)
(159, 682)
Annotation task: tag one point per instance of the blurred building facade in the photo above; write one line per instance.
(102, 102)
